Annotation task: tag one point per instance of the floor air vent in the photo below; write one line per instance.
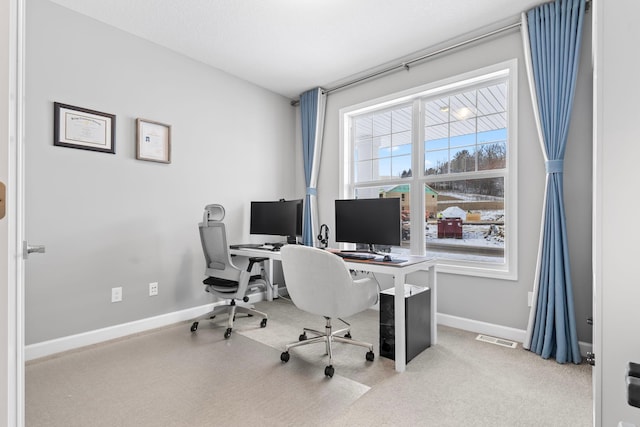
(497, 341)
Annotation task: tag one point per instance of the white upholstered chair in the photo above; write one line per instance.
(319, 282)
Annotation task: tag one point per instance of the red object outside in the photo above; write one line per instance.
(450, 228)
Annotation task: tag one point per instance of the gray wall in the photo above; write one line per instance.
(111, 220)
(495, 301)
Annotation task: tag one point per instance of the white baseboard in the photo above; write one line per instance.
(498, 331)
(47, 348)
(470, 325)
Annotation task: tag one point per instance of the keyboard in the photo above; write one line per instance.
(356, 256)
(247, 246)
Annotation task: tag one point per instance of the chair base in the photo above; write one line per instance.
(328, 337)
(232, 309)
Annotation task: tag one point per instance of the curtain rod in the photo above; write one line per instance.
(407, 64)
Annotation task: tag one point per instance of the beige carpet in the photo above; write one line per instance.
(171, 377)
(174, 378)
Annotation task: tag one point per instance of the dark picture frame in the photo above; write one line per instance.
(153, 141)
(77, 127)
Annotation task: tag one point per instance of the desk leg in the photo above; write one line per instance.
(270, 278)
(434, 304)
(399, 335)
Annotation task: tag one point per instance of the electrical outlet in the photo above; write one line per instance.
(116, 294)
(153, 289)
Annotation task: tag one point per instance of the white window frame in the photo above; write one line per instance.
(508, 270)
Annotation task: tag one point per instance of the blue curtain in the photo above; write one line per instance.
(312, 109)
(553, 33)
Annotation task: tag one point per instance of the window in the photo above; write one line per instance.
(448, 151)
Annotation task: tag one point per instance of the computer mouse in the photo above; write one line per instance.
(387, 258)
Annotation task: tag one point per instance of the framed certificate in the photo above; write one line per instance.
(77, 127)
(153, 141)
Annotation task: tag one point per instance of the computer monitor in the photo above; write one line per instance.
(277, 218)
(368, 221)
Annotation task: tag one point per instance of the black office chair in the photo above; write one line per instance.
(224, 279)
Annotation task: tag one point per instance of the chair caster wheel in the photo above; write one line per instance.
(284, 356)
(263, 323)
(370, 356)
(347, 335)
(194, 327)
(302, 337)
(328, 371)
(227, 333)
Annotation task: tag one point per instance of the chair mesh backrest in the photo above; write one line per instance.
(216, 251)
(319, 282)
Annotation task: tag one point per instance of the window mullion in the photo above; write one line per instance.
(418, 243)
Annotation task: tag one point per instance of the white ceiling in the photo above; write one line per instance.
(289, 46)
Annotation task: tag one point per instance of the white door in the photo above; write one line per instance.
(11, 265)
(616, 206)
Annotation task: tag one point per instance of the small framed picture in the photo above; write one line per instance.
(77, 127)
(153, 141)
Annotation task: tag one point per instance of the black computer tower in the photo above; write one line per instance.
(417, 313)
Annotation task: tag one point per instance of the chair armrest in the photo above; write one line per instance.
(255, 260)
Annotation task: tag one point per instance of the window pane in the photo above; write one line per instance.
(436, 144)
(492, 99)
(436, 162)
(363, 126)
(492, 122)
(492, 136)
(401, 138)
(463, 105)
(401, 150)
(382, 146)
(382, 168)
(382, 123)
(401, 119)
(401, 166)
(436, 111)
(363, 150)
(433, 134)
(367, 193)
(461, 140)
(475, 229)
(492, 156)
(363, 171)
(381, 137)
(463, 160)
(466, 128)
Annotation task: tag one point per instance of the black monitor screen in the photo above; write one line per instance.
(281, 218)
(368, 221)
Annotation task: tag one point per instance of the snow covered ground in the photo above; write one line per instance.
(474, 235)
(479, 243)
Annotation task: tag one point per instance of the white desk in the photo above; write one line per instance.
(264, 253)
(399, 273)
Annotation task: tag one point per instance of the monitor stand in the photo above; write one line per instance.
(292, 240)
(371, 250)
